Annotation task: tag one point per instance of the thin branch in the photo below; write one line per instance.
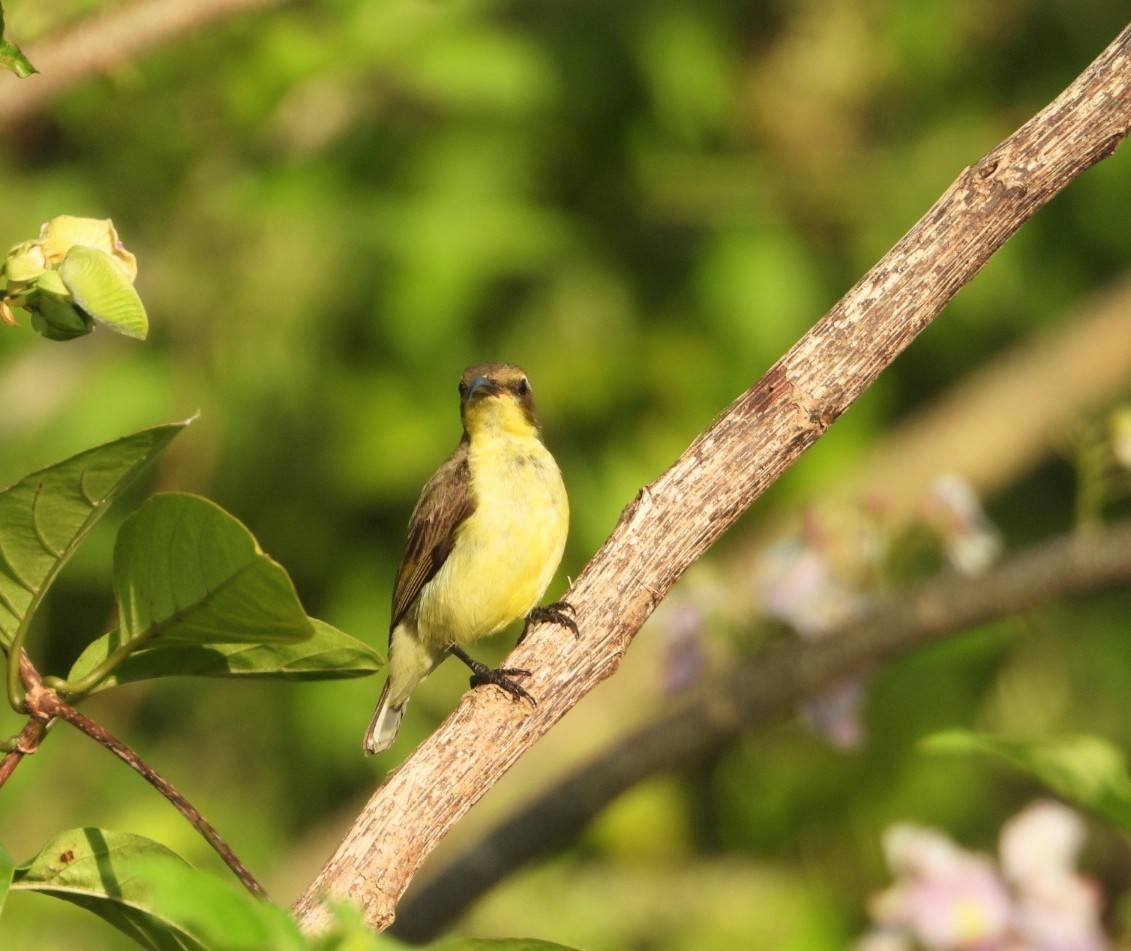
(45, 705)
(29, 738)
(756, 694)
(674, 520)
(105, 42)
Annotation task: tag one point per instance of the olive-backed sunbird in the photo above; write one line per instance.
(484, 542)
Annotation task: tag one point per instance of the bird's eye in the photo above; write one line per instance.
(522, 387)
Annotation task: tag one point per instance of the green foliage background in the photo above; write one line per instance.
(337, 206)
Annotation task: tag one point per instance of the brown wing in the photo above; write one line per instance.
(445, 501)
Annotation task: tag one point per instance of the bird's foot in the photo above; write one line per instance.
(501, 677)
(560, 612)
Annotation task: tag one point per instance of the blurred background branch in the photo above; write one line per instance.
(993, 426)
(107, 41)
(1006, 417)
(755, 694)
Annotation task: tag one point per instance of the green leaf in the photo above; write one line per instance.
(328, 655)
(154, 896)
(10, 55)
(45, 516)
(7, 870)
(102, 289)
(217, 914)
(186, 571)
(96, 870)
(1087, 769)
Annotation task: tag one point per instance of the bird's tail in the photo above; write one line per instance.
(385, 723)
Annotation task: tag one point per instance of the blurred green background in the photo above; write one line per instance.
(338, 205)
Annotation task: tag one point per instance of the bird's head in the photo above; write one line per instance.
(497, 397)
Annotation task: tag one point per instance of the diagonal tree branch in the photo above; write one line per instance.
(757, 693)
(675, 519)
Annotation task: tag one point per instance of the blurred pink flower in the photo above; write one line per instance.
(948, 899)
(945, 897)
(800, 587)
(1058, 909)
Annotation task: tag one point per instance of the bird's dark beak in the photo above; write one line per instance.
(482, 386)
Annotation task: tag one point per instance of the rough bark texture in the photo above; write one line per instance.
(674, 520)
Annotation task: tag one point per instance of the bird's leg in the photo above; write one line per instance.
(501, 677)
(557, 613)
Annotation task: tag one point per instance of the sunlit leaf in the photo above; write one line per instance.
(102, 289)
(186, 571)
(1088, 769)
(216, 912)
(328, 655)
(96, 870)
(45, 516)
(154, 896)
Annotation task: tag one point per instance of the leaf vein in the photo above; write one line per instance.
(8, 568)
(37, 528)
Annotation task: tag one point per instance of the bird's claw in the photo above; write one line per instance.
(501, 677)
(560, 612)
(482, 674)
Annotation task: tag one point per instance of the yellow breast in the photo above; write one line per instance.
(506, 552)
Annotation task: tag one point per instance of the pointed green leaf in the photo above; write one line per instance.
(10, 55)
(186, 571)
(154, 896)
(95, 869)
(102, 289)
(328, 655)
(45, 516)
(7, 869)
(1088, 769)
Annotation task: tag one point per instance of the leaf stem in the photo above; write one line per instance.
(77, 689)
(44, 704)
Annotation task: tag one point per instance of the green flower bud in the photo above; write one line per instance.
(25, 262)
(58, 319)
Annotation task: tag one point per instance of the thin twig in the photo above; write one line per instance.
(44, 705)
(755, 694)
(677, 518)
